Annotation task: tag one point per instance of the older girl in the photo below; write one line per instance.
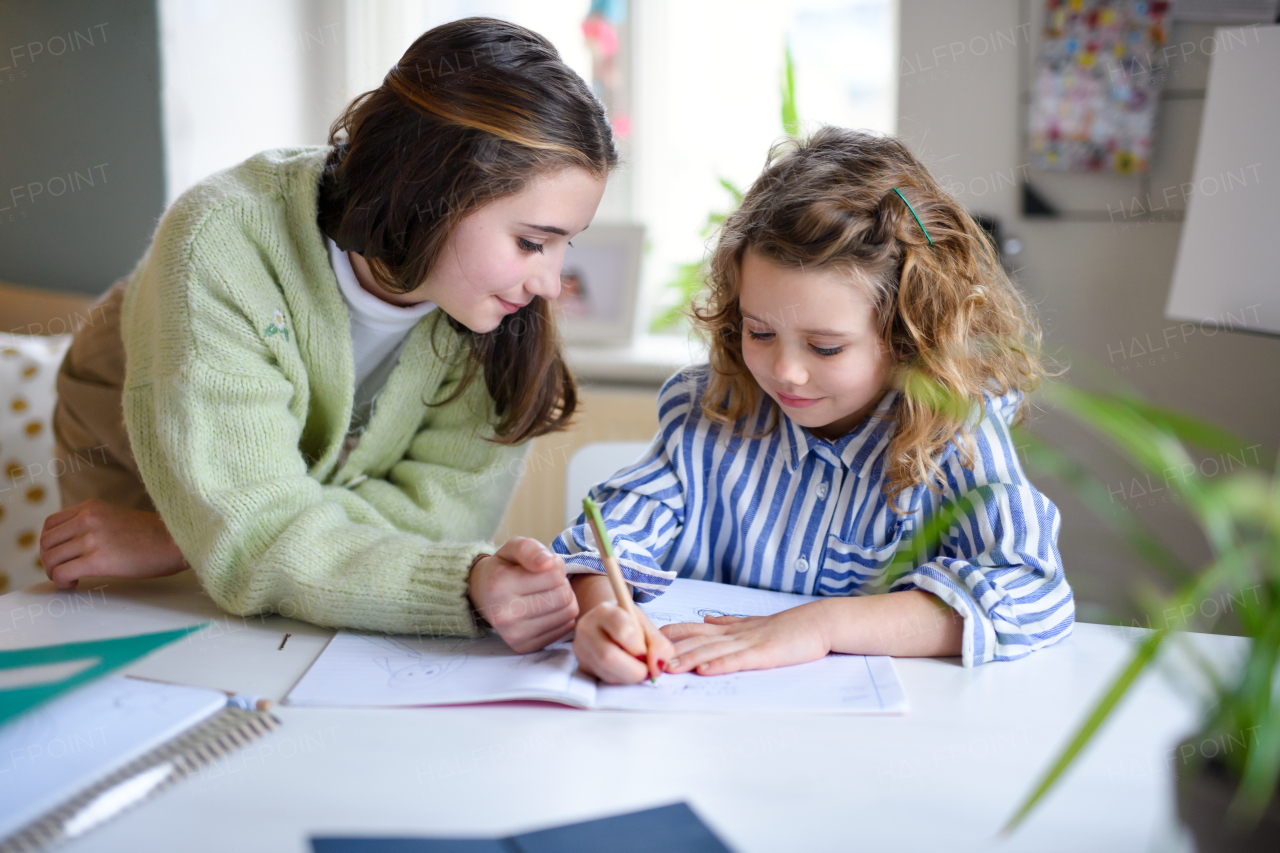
(868, 356)
(330, 360)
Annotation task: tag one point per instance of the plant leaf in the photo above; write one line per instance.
(687, 283)
(1190, 429)
(1211, 579)
(1093, 493)
(733, 191)
(1262, 762)
(1119, 687)
(1153, 449)
(790, 119)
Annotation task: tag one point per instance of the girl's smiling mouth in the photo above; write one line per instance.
(796, 402)
(509, 307)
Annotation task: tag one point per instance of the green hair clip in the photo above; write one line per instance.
(913, 213)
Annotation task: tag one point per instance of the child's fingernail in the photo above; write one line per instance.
(673, 663)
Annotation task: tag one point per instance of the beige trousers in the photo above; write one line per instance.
(88, 419)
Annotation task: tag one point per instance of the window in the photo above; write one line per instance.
(702, 81)
(708, 94)
(704, 86)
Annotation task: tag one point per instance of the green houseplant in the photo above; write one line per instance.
(1228, 801)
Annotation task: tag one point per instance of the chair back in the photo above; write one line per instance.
(593, 463)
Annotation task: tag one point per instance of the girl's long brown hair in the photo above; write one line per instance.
(953, 323)
(474, 111)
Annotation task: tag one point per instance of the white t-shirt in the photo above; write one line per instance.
(378, 332)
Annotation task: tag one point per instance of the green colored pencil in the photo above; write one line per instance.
(614, 573)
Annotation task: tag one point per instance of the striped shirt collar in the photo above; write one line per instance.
(799, 442)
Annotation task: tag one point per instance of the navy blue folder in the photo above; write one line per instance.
(669, 829)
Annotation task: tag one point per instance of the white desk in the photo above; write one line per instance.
(944, 777)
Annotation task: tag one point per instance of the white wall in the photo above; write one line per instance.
(1100, 286)
(242, 76)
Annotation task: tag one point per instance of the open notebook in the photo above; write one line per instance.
(376, 670)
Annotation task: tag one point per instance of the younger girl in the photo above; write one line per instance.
(868, 356)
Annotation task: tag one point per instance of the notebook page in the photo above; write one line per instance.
(51, 753)
(690, 601)
(383, 671)
(841, 684)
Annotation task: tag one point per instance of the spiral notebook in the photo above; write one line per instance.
(74, 762)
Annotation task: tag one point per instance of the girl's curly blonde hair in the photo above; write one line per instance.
(953, 323)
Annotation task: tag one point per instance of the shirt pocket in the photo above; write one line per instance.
(854, 568)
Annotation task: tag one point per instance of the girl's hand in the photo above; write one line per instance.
(102, 540)
(523, 592)
(610, 645)
(730, 643)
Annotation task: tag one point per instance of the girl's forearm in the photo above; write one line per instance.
(591, 589)
(912, 623)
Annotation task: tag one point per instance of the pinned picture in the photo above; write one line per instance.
(598, 285)
(1097, 84)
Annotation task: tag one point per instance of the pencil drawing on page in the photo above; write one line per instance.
(407, 667)
(662, 616)
(711, 611)
(701, 685)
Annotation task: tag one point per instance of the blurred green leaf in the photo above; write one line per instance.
(1153, 449)
(687, 283)
(790, 118)
(1212, 577)
(1042, 456)
(732, 190)
(1258, 689)
(1119, 687)
(1190, 429)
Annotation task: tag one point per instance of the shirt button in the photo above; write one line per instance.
(802, 565)
(822, 490)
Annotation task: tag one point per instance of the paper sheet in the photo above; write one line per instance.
(375, 670)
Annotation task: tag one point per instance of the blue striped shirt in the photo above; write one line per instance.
(793, 512)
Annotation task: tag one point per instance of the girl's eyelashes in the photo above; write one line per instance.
(765, 336)
(529, 245)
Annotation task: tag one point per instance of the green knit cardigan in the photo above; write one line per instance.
(238, 394)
